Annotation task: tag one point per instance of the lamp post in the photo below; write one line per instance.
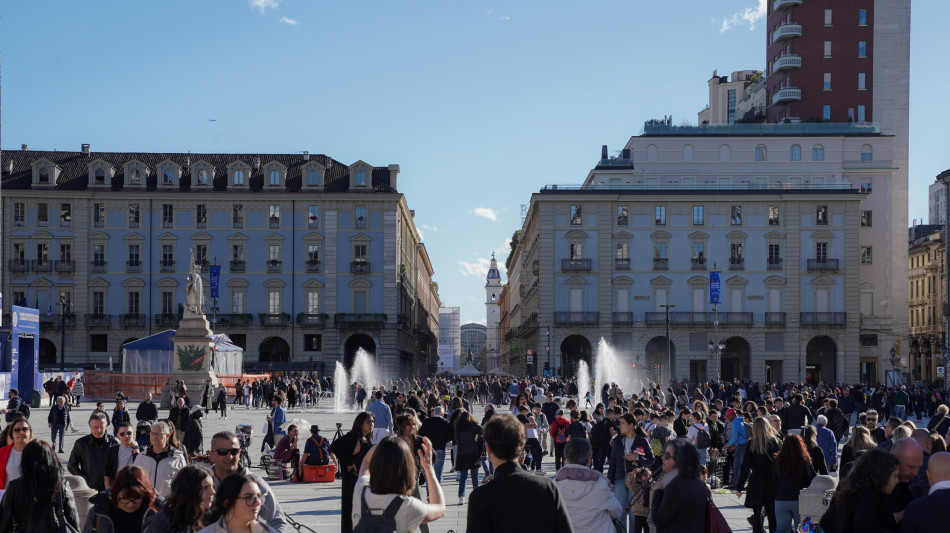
(669, 357)
(715, 350)
(548, 347)
(62, 332)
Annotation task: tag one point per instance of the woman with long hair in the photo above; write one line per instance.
(407, 427)
(388, 478)
(860, 503)
(238, 502)
(678, 502)
(758, 467)
(350, 449)
(188, 508)
(32, 501)
(810, 436)
(468, 437)
(697, 426)
(628, 450)
(126, 507)
(18, 433)
(860, 441)
(795, 472)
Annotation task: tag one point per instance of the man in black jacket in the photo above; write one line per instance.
(147, 410)
(13, 406)
(490, 509)
(796, 415)
(928, 513)
(88, 458)
(179, 416)
(440, 432)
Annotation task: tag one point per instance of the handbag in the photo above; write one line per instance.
(715, 522)
(64, 526)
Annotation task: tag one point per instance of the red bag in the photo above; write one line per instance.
(715, 522)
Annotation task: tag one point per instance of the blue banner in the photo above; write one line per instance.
(715, 288)
(215, 273)
(24, 352)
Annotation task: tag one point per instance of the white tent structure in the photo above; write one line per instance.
(499, 372)
(468, 370)
(153, 355)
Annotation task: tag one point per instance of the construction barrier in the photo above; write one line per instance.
(105, 385)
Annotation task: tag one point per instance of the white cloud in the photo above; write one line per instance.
(289, 21)
(477, 269)
(490, 11)
(748, 17)
(485, 212)
(263, 5)
(505, 18)
(433, 229)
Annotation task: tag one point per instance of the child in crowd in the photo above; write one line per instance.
(640, 505)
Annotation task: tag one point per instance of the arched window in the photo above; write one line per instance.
(168, 177)
(795, 153)
(818, 153)
(652, 153)
(202, 177)
(688, 152)
(760, 153)
(44, 175)
(239, 177)
(313, 178)
(725, 153)
(275, 177)
(100, 176)
(866, 153)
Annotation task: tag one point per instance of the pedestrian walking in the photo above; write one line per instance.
(350, 450)
(40, 499)
(795, 472)
(758, 468)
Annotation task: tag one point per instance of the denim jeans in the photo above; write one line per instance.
(438, 463)
(487, 467)
(623, 495)
(463, 475)
(58, 429)
(900, 411)
(737, 463)
(703, 456)
(786, 516)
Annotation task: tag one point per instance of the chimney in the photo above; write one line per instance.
(85, 150)
(23, 148)
(603, 152)
(257, 162)
(393, 173)
(306, 155)
(625, 153)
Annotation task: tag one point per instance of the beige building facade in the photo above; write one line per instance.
(927, 290)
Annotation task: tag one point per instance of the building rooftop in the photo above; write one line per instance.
(663, 129)
(681, 188)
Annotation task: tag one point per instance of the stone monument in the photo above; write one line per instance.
(193, 356)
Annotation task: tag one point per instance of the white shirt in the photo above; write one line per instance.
(411, 513)
(125, 458)
(940, 485)
(13, 465)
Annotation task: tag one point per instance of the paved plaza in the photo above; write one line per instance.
(317, 505)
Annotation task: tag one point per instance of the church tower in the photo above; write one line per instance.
(492, 313)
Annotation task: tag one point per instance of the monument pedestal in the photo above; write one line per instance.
(191, 359)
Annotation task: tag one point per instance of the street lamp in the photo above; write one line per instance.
(669, 357)
(715, 350)
(62, 332)
(547, 347)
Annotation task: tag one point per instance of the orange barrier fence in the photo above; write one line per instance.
(105, 385)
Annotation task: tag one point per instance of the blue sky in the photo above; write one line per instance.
(480, 103)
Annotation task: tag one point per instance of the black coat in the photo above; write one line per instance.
(680, 506)
(89, 460)
(438, 430)
(14, 518)
(539, 506)
(468, 437)
(865, 511)
(179, 417)
(146, 411)
(763, 479)
(923, 514)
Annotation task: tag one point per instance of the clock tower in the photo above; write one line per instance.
(492, 313)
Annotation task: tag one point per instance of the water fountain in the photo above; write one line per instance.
(341, 387)
(363, 371)
(610, 367)
(583, 382)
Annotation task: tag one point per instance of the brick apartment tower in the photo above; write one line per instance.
(850, 60)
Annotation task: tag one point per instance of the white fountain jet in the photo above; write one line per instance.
(583, 383)
(363, 371)
(612, 367)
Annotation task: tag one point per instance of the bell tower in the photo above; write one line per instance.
(492, 313)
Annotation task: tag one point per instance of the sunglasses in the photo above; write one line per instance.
(125, 433)
(223, 452)
(126, 501)
(22, 429)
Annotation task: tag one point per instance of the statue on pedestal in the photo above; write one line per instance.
(194, 290)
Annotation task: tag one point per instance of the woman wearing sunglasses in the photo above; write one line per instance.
(11, 455)
(34, 500)
(238, 501)
(188, 509)
(124, 509)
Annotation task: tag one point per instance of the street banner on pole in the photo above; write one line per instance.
(215, 275)
(715, 290)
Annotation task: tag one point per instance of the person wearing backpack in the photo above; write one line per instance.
(560, 436)
(13, 405)
(698, 435)
(576, 430)
(381, 498)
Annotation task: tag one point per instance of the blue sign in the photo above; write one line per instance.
(715, 287)
(25, 358)
(215, 271)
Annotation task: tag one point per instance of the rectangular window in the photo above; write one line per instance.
(576, 250)
(698, 218)
(699, 250)
(134, 302)
(237, 301)
(313, 302)
(821, 215)
(866, 187)
(821, 251)
(862, 17)
(360, 178)
(826, 112)
(98, 255)
(19, 214)
(818, 153)
(274, 177)
(659, 216)
(313, 343)
(65, 253)
(42, 214)
(861, 113)
(360, 217)
(134, 256)
(237, 252)
(774, 219)
(134, 215)
(42, 253)
(168, 215)
(98, 303)
(313, 178)
(862, 81)
(237, 216)
(760, 153)
(865, 219)
(201, 254)
(313, 216)
(621, 215)
(826, 84)
(862, 48)
(168, 302)
(737, 215)
(827, 17)
(273, 302)
(313, 252)
(98, 215)
(735, 250)
(273, 252)
(359, 253)
(867, 339)
(623, 250)
(731, 99)
(659, 250)
(273, 213)
(827, 48)
(775, 251)
(576, 215)
(65, 215)
(865, 255)
(201, 216)
(168, 258)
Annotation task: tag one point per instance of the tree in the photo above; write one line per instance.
(515, 240)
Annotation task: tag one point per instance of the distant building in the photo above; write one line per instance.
(450, 339)
(937, 204)
(927, 301)
(474, 347)
(740, 97)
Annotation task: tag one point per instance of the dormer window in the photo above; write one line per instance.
(274, 178)
(100, 177)
(135, 177)
(168, 177)
(202, 177)
(238, 177)
(44, 176)
(361, 178)
(313, 178)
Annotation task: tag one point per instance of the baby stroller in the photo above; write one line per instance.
(244, 434)
(142, 431)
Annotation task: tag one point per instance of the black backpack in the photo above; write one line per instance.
(377, 523)
(24, 408)
(703, 440)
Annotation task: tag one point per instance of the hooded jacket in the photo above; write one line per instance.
(99, 518)
(161, 467)
(587, 496)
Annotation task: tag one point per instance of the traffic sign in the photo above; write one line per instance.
(530, 353)
(530, 359)
(547, 349)
(941, 370)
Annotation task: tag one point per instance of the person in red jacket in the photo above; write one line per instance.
(10, 455)
(559, 435)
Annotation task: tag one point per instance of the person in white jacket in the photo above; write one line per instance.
(160, 461)
(590, 503)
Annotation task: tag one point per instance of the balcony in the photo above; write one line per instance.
(785, 4)
(312, 319)
(692, 318)
(821, 265)
(576, 318)
(313, 265)
(18, 265)
(98, 321)
(238, 319)
(168, 223)
(576, 265)
(402, 321)
(823, 319)
(774, 319)
(622, 263)
(98, 266)
(788, 61)
(775, 263)
(133, 266)
(359, 267)
(58, 320)
(166, 320)
(620, 318)
(274, 320)
(203, 264)
(653, 318)
(786, 31)
(529, 324)
(274, 222)
(736, 263)
(64, 265)
(167, 266)
(237, 223)
(698, 263)
(133, 320)
(736, 319)
(788, 94)
(661, 263)
(535, 266)
(359, 320)
(40, 265)
(273, 265)
(237, 265)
